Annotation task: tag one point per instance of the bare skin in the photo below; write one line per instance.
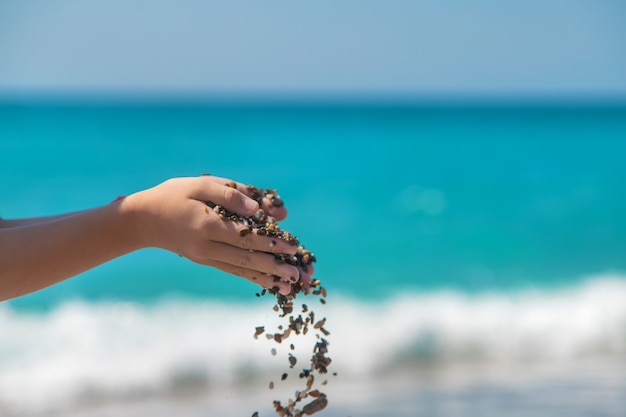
(39, 252)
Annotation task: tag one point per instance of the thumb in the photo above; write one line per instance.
(230, 198)
(237, 202)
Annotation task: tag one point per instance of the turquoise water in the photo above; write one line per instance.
(489, 235)
(389, 198)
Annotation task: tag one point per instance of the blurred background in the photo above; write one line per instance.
(458, 169)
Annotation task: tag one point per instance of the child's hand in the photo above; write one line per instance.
(174, 216)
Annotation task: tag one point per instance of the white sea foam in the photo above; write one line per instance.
(125, 349)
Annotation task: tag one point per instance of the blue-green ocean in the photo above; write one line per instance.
(450, 238)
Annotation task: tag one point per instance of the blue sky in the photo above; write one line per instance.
(411, 48)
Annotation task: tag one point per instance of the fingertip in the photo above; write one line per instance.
(290, 249)
(279, 213)
(237, 202)
(250, 205)
(305, 279)
(284, 288)
(294, 274)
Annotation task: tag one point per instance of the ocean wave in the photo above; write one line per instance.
(81, 349)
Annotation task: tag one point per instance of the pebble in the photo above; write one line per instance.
(264, 225)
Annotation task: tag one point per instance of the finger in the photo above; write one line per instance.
(279, 213)
(305, 278)
(258, 261)
(230, 232)
(229, 183)
(310, 269)
(251, 275)
(237, 202)
(230, 198)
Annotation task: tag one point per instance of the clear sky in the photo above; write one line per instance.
(394, 47)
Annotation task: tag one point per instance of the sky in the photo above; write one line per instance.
(535, 48)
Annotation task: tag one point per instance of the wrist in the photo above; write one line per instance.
(133, 220)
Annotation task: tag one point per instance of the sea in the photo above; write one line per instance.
(474, 256)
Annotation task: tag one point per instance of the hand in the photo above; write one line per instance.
(279, 213)
(174, 216)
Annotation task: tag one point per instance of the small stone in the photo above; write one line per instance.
(258, 330)
(292, 360)
(316, 405)
(320, 323)
(265, 225)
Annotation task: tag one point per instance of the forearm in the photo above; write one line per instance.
(30, 221)
(37, 255)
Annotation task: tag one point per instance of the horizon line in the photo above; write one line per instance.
(366, 99)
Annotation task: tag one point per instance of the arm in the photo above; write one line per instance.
(170, 216)
(5, 224)
(34, 255)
